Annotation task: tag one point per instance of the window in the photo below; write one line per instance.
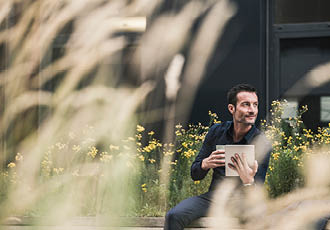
(325, 109)
(301, 11)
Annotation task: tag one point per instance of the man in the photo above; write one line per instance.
(243, 105)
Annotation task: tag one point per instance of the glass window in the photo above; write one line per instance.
(325, 109)
(302, 11)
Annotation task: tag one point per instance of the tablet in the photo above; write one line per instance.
(231, 150)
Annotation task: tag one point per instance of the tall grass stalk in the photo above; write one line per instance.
(66, 107)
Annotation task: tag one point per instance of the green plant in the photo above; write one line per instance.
(291, 143)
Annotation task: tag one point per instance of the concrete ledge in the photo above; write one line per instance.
(99, 223)
(152, 222)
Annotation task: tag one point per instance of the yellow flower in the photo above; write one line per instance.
(276, 155)
(139, 128)
(18, 157)
(304, 148)
(11, 165)
(178, 126)
(92, 152)
(197, 182)
(151, 133)
(144, 187)
(178, 133)
(169, 153)
(174, 162)
(189, 153)
(141, 157)
(152, 161)
(138, 136)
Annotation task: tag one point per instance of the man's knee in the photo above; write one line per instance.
(173, 220)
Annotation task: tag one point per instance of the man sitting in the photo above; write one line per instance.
(243, 105)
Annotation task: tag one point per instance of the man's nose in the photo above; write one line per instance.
(252, 109)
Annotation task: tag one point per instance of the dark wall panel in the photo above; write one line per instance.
(238, 58)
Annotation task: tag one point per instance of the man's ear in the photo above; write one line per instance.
(231, 108)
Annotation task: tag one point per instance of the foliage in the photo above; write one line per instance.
(291, 143)
(149, 195)
(79, 158)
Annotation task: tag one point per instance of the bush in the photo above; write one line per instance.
(80, 164)
(292, 143)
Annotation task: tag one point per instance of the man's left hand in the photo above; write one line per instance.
(242, 168)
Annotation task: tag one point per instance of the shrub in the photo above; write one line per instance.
(292, 143)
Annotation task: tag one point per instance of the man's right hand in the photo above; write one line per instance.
(216, 159)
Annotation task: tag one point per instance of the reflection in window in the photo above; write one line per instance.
(325, 109)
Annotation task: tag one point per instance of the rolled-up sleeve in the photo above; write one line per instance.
(197, 173)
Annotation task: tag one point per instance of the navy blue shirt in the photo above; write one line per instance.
(222, 134)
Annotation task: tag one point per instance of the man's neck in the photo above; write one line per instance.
(240, 130)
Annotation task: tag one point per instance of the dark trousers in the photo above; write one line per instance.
(195, 207)
(187, 211)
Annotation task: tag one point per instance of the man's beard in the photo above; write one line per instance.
(244, 121)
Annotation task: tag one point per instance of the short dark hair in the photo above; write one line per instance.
(232, 93)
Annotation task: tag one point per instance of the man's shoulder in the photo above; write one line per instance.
(257, 132)
(216, 128)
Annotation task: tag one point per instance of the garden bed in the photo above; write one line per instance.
(97, 223)
(100, 223)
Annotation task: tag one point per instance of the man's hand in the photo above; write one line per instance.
(244, 171)
(216, 159)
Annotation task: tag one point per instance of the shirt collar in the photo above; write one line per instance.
(248, 137)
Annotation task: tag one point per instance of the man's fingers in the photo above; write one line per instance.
(219, 156)
(239, 161)
(215, 165)
(218, 151)
(218, 161)
(232, 166)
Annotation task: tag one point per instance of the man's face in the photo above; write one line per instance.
(246, 109)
